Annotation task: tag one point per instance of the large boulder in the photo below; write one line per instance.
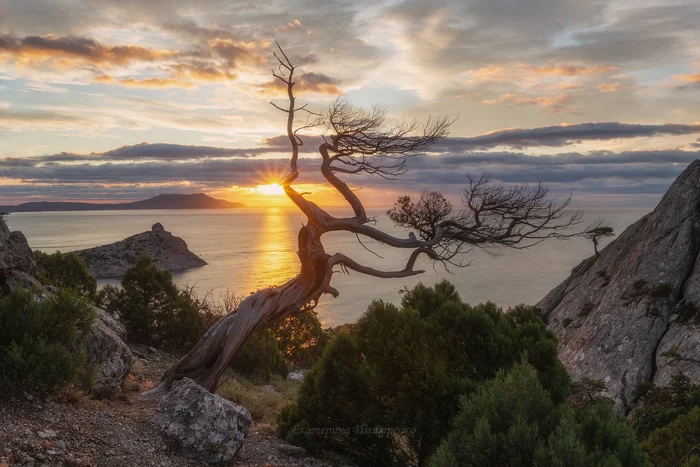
(203, 425)
(107, 355)
(617, 315)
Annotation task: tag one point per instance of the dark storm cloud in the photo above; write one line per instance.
(139, 152)
(445, 172)
(562, 135)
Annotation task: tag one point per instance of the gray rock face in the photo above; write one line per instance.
(617, 314)
(16, 257)
(203, 425)
(108, 356)
(167, 251)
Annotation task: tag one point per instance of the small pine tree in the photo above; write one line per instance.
(65, 271)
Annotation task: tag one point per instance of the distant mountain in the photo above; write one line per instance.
(196, 201)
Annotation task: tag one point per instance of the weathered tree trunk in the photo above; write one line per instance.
(208, 360)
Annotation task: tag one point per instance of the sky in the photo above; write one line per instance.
(106, 100)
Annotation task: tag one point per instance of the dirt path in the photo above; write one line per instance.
(78, 431)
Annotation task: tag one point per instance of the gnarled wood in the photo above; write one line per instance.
(361, 142)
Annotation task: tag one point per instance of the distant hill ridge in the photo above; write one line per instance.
(173, 201)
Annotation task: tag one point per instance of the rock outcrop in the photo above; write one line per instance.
(17, 265)
(203, 425)
(167, 251)
(106, 353)
(631, 315)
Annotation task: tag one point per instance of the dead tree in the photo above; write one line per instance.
(362, 142)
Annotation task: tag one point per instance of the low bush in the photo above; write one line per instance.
(65, 271)
(153, 309)
(407, 368)
(260, 358)
(512, 420)
(38, 341)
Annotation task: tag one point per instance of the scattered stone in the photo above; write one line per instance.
(46, 434)
(61, 445)
(296, 375)
(51, 452)
(291, 450)
(203, 425)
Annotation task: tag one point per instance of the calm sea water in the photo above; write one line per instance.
(248, 249)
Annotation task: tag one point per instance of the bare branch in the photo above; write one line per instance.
(407, 271)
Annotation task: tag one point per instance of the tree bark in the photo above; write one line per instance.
(208, 360)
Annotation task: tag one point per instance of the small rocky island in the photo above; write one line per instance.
(167, 251)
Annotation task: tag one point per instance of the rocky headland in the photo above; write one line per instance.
(630, 315)
(167, 251)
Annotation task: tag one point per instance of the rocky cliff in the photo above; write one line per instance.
(17, 266)
(166, 250)
(631, 315)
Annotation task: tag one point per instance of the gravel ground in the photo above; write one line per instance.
(80, 431)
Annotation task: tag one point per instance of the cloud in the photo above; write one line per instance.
(307, 83)
(522, 71)
(154, 83)
(17, 120)
(141, 152)
(557, 104)
(688, 78)
(201, 72)
(562, 135)
(609, 87)
(48, 48)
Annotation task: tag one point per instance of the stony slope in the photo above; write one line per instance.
(629, 315)
(166, 250)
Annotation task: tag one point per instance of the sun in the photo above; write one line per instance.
(270, 189)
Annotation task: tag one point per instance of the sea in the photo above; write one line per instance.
(250, 248)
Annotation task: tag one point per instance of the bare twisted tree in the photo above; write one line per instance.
(359, 141)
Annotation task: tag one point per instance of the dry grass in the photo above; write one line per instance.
(263, 402)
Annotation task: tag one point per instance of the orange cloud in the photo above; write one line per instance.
(49, 48)
(609, 87)
(529, 72)
(560, 87)
(154, 83)
(554, 103)
(573, 70)
(238, 53)
(689, 78)
(202, 72)
(103, 79)
(308, 83)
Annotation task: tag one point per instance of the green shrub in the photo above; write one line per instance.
(511, 420)
(406, 369)
(660, 406)
(37, 341)
(65, 271)
(152, 308)
(678, 443)
(260, 358)
(301, 338)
